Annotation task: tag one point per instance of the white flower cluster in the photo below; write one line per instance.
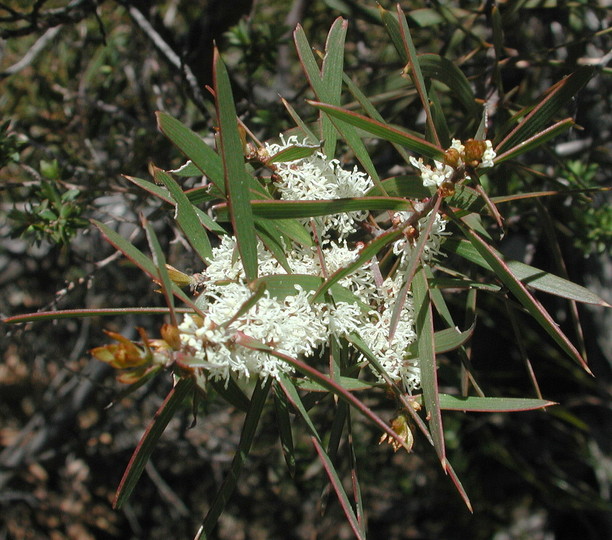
(293, 325)
(317, 178)
(440, 172)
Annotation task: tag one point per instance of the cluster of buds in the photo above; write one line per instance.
(460, 163)
(139, 360)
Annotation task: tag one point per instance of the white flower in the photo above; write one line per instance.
(432, 176)
(318, 178)
(488, 156)
(431, 250)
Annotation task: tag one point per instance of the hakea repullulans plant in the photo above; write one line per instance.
(294, 325)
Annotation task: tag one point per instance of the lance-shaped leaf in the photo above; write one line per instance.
(413, 69)
(442, 69)
(328, 383)
(148, 441)
(294, 398)
(160, 260)
(427, 360)
(194, 197)
(326, 83)
(540, 115)
(327, 86)
(80, 313)
(283, 423)
(383, 131)
(236, 184)
(529, 275)
(192, 145)
(537, 311)
(535, 141)
(244, 447)
(491, 404)
(140, 260)
(311, 208)
(186, 217)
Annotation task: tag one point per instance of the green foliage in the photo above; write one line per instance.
(419, 103)
(51, 214)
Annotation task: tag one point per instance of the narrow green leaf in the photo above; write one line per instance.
(195, 196)
(491, 404)
(340, 492)
(283, 422)
(160, 261)
(427, 361)
(186, 217)
(442, 69)
(149, 440)
(293, 153)
(192, 145)
(529, 275)
(415, 72)
(293, 396)
(331, 385)
(535, 141)
(383, 131)
(236, 185)
(80, 313)
(540, 115)
(244, 447)
(537, 311)
(306, 209)
(140, 260)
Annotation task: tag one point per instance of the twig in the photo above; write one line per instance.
(31, 55)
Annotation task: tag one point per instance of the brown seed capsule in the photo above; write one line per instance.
(473, 152)
(452, 157)
(446, 189)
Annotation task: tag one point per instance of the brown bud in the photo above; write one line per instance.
(473, 152)
(452, 157)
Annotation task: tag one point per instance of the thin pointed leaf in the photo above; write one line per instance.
(80, 313)
(283, 423)
(537, 140)
(529, 275)
(442, 69)
(538, 118)
(537, 311)
(149, 440)
(244, 447)
(323, 380)
(306, 209)
(160, 261)
(193, 196)
(337, 484)
(415, 72)
(383, 131)
(192, 145)
(140, 260)
(491, 404)
(186, 217)
(236, 184)
(427, 361)
(292, 153)
(292, 394)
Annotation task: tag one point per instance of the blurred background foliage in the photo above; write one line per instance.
(80, 82)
